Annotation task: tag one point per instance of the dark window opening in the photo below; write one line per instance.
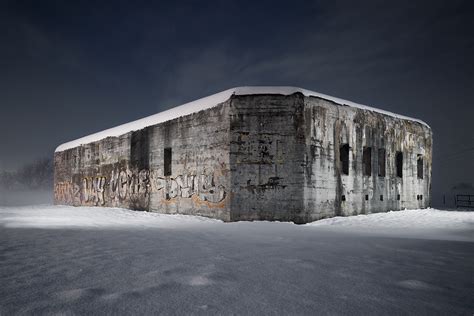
(367, 161)
(381, 198)
(398, 197)
(167, 167)
(344, 157)
(419, 166)
(399, 163)
(139, 149)
(343, 198)
(381, 162)
(421, 197)
(366, 197)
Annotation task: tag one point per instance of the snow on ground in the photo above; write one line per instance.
(410, 219)
(422, 223)
(425, 223)
(57, 217)
(98, 261)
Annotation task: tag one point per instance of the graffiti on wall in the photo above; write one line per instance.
(67, 192)
(93, 189)
(127, 185)
(188, 185)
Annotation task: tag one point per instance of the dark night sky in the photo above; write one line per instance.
(68, 69)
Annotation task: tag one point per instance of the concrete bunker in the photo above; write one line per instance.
(253, 153)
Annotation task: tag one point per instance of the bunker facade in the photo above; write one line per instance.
(253, 153)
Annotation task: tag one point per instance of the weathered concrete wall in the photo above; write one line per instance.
(199, 182)
(266, 156)
(254, 157)
(128, 171)
(329, 192)
(97, 174)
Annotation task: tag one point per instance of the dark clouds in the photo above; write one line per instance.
(72, 69)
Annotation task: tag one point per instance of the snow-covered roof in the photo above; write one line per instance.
(209, 102)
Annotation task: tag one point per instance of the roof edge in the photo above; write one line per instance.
(210, 102)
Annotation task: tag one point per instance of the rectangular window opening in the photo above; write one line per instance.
(399, 163)
(419, 166)
(344, 158)
(398, 197)
(366, 197)
(381, 162)
(167, 158)
(367, 161)
(343, 198)
(381, 197)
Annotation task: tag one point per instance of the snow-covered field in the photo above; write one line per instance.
(67, 260)
(56, 217)
(423, 223)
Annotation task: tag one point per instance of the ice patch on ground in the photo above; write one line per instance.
(417, 285)
(199, 280)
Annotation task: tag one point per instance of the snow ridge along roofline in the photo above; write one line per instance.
(210, 102)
